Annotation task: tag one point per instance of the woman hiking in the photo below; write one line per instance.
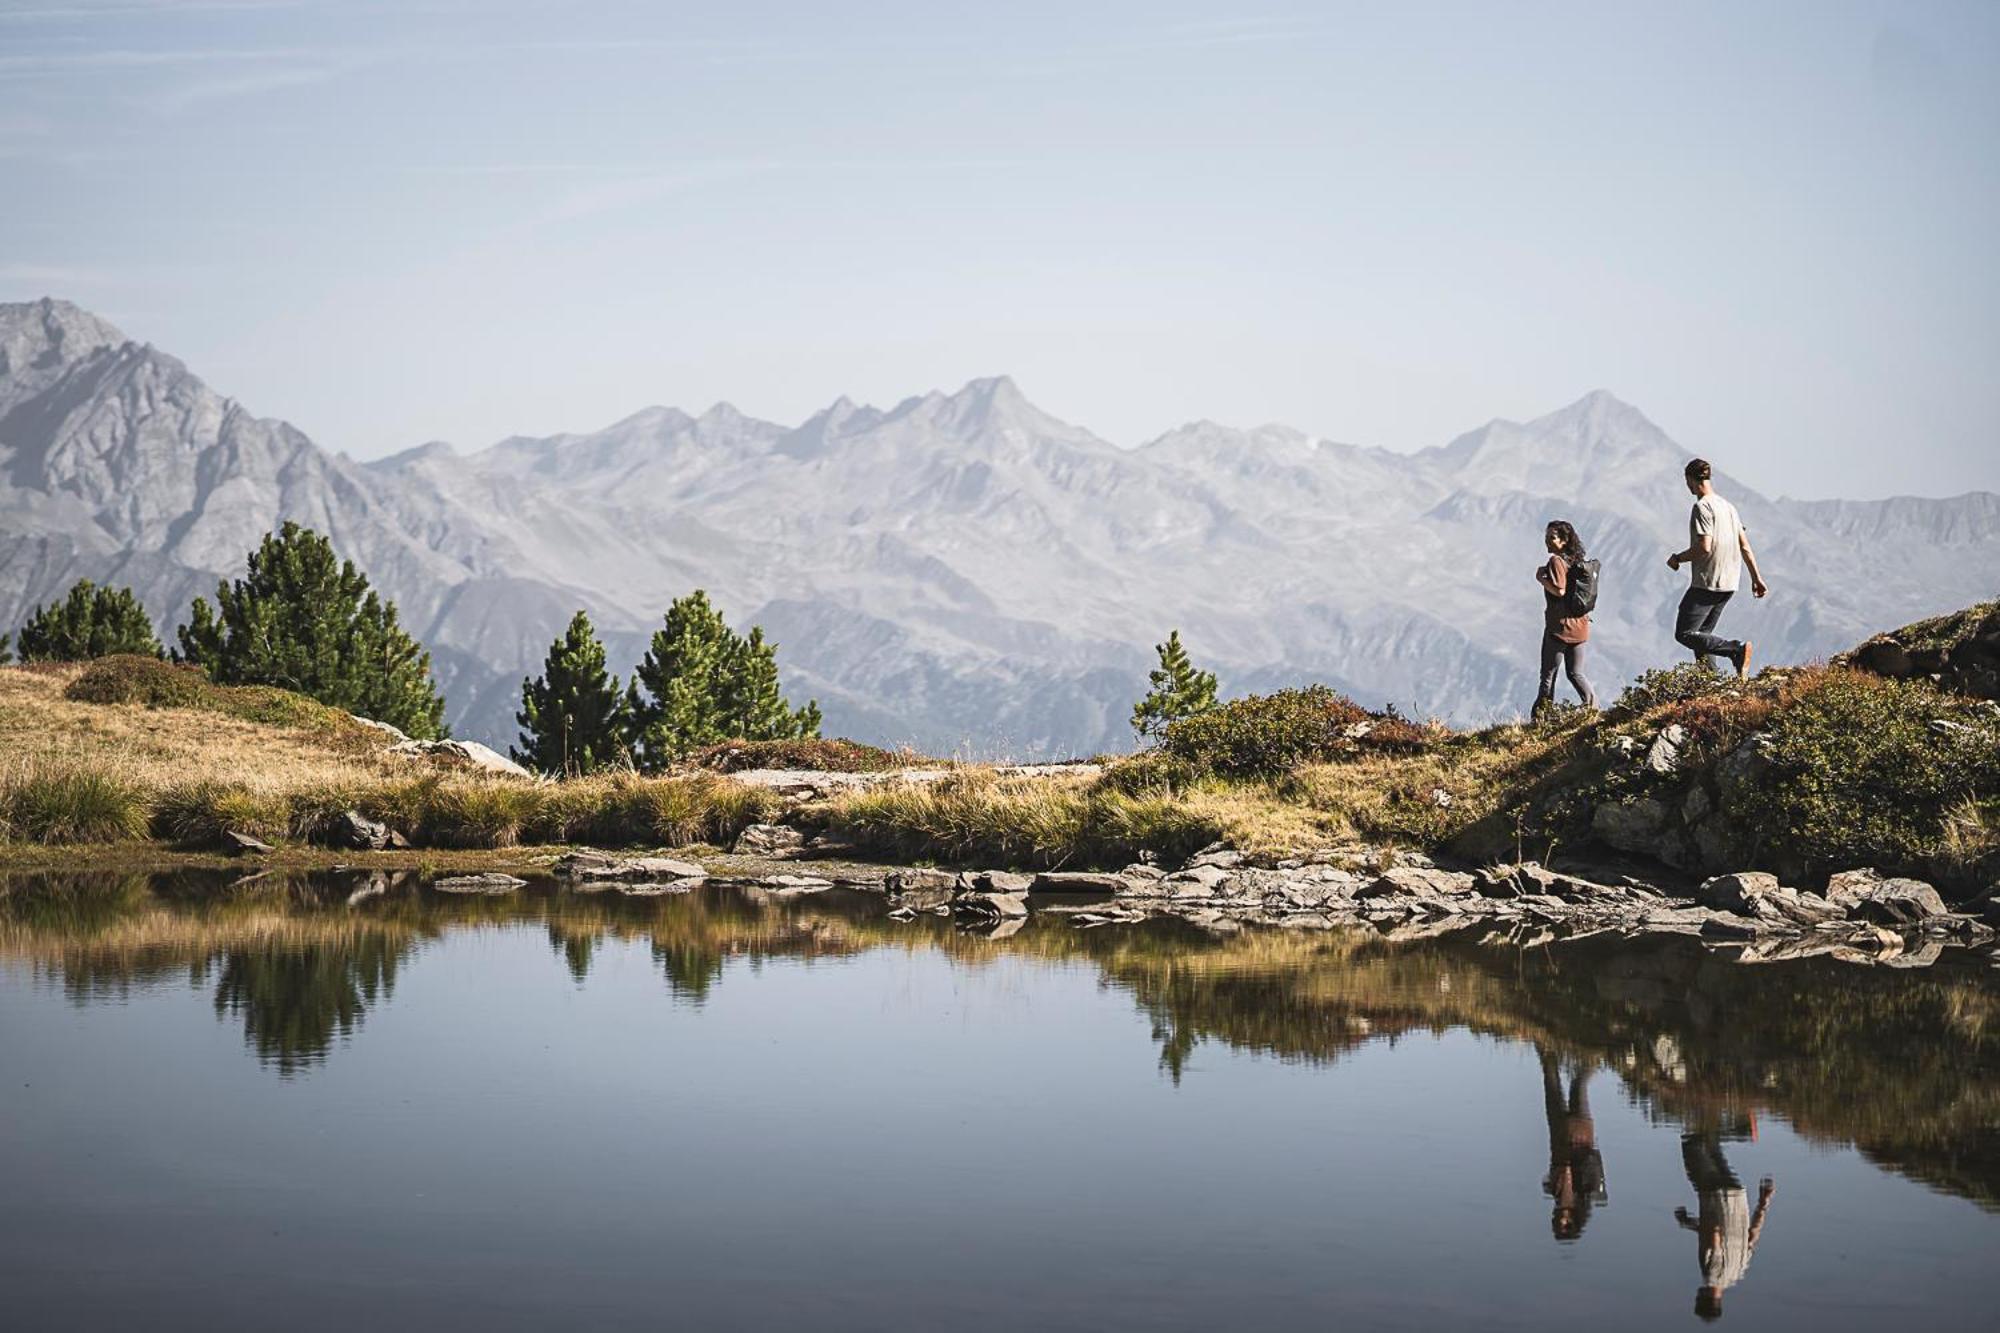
(1565, 628)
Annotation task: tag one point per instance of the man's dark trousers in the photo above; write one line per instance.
(1694, 627)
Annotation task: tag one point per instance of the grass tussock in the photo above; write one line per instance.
(70, 803)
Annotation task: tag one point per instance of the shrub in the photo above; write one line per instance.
(1867, 770)
(1676, 684)
(60, 803)
(821, 756)
(1270, 734)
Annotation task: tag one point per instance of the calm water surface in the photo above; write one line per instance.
(336, 1103)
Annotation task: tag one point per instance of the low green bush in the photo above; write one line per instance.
(154, 683)
(1675, 684)
(1864, 770)
(1270, 734)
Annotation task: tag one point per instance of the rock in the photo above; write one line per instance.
(353, 829)
(1002, 881)
(1418, 881)
(1743, 767)
(991, 904)
(1664, 755)
(1631, 826)
(1199, 882)
(1696, 805)
(1756, 894)
(1141, 870)
(1219, 854)
(1729, 926)
(769, 840)
(598, 866)
(395, 735)
(239, 843)
(1869, 896)
(791, 886)
(491, 881)
(921, 890)
(467, 755)
(1078, 881)
(577, 864)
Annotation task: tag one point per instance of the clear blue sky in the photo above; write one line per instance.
(1769, 225)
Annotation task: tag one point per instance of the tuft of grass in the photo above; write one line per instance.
(198, 813)
(70, 803)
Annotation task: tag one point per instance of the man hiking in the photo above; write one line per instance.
(1718, 548)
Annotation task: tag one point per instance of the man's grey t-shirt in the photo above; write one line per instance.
(1722, 568)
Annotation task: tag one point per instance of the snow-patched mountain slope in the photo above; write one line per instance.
(960, 571)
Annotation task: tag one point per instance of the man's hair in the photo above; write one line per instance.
(1699, 470)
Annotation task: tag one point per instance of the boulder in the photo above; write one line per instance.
(1632, 826)
(769, 840)
(921, 890)
(239, 843)
(1198, 882)
(1664, 755)
(1868, 895)
(491, 881)
(1743, 767)
(991, 904)
(468, 755)
(1758, 895)
(1696, 805)
(394, 735)
(353, 829)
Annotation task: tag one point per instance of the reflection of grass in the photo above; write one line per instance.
(1906, 1065)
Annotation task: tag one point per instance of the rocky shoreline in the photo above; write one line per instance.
(1863, 917)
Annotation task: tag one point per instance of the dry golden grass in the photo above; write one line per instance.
(157, 747)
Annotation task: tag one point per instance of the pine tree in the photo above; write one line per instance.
(709, 684)
(92, 621)
(6, 651)
(573, 717)
(1179, 690)
(306, 621)
(752, 703)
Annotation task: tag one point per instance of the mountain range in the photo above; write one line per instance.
(960, 572)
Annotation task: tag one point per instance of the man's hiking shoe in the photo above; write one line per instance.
(1743, 660)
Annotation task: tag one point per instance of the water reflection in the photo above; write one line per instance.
(1725, 1228)
(1904, 1066)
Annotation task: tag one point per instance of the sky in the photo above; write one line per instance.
(1768, 226)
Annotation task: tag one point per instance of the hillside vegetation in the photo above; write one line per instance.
(1803, 771)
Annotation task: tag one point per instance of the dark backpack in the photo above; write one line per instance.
(1581, 592)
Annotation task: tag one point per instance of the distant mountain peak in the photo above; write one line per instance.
(50, 332)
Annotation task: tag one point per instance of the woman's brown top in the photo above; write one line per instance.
(1564, 627)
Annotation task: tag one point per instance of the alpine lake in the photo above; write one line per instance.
(347, 1100)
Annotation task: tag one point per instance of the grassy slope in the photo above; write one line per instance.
(1852, 769)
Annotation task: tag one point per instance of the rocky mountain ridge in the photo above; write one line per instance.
(963, 571)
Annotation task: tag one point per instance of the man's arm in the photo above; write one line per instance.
(1764, 1193)
(1700, 548)
(1757, 585)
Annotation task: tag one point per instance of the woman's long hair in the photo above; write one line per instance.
(1572, 545)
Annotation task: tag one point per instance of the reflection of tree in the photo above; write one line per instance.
(295, 1001)
(1904, 1065)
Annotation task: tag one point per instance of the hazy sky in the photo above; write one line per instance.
(1771, 226)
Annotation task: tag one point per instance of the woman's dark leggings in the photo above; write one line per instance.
(1554, 650)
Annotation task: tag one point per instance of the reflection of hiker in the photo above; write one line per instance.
(1718, 548)
(1576, 1169)
(1726, 1230)
(1569, 593)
